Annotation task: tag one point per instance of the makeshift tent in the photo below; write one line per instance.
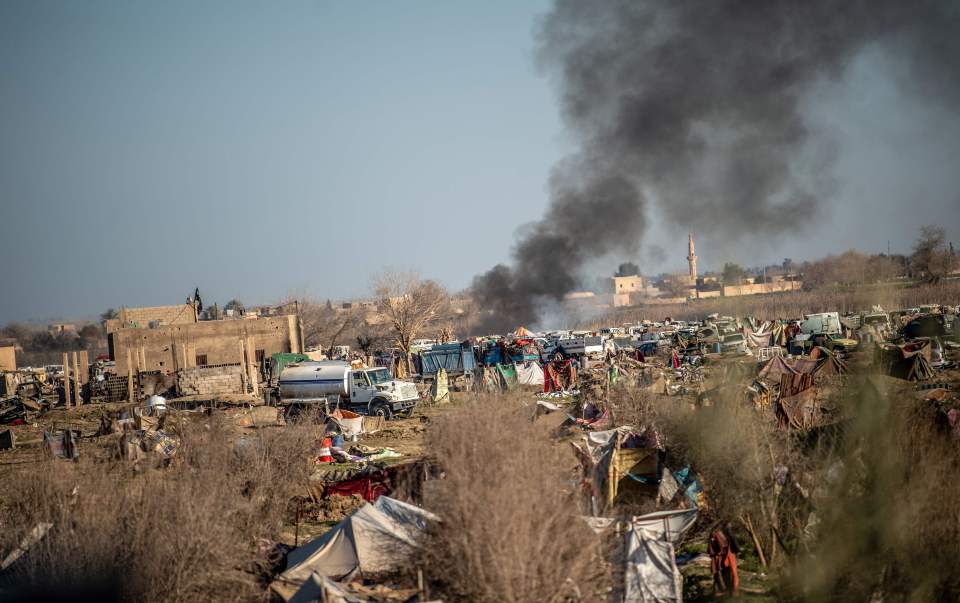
(376, 538)
(620, 462)
(828, 363)
(651, 573)
(529, 373)
(440, 390)
(775, 368)
(797, 406)
(910, 361)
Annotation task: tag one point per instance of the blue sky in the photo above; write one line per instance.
(262, 149)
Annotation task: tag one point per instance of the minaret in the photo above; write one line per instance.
(692, 261)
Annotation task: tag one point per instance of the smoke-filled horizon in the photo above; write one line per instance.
(696, 111)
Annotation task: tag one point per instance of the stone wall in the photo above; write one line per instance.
(210, 380)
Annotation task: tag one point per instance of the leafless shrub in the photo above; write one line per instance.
(187, 532)
(889, 523)
(510, 529)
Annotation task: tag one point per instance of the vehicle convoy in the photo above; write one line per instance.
(370, 391)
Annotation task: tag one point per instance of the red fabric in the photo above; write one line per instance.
(369, 487)
(559, 375)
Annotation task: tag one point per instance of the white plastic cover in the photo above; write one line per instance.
(374, 539)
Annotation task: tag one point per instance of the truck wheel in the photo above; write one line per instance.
(381, 409)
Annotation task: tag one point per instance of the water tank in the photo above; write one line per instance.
(314, 379)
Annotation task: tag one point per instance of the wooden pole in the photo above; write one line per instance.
(252, 367)
(66, 379)
(243, 365)
(76, 381)
(130, 396)
(84, 367)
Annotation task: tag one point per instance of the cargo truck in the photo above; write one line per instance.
(331, 383)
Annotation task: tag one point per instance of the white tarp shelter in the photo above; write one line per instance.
(651, 573)
(529, 373)
(374, 539)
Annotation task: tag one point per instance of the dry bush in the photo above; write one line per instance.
(739, 454)
(510, 529)
(186, 532)
(890, 527)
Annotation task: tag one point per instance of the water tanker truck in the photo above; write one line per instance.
(370, 391)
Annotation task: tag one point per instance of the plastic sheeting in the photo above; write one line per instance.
(651, 573)
(376, 538)
(529, 373)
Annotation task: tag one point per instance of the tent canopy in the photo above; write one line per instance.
(374, 539)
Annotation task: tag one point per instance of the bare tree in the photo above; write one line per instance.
(931, 257)
(327, 326)
(409, 304)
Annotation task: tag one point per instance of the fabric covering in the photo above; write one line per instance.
(559, 375)
(376, 538)
(529, 373)
(797, 406)
(775, 368)
(651, 573)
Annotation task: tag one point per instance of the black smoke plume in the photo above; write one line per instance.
(697, 107)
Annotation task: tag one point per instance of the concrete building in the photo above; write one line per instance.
(183, 344)
(143, 318)
(8, 358)
(627, 284)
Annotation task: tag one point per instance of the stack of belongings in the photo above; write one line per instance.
(910, 361)
(797, 406)
(143, 433)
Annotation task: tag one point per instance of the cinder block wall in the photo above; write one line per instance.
(210, 380)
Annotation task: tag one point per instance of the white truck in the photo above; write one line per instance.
(370, 391)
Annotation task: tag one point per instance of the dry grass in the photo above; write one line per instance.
(510, 529)
(187, 532)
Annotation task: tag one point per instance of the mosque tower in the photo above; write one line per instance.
(692, 260)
